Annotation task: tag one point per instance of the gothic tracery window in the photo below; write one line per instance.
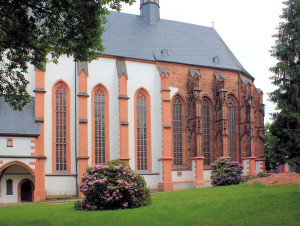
(206, 131)
(232, 128)
(177, 132)
(141, 130)
(61, 127)
(99, 126)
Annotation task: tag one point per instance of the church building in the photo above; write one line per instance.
(167, 97)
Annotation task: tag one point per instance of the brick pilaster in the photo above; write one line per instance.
(123, 119)
(83, 156)
(167, 184)
(39, 171)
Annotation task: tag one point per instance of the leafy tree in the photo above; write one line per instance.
(271, 153)
(286, 126)
(31, 29)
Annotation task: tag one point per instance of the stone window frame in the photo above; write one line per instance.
(57, 128)
(232, 109)
(207, 151)
(9, 142)
(146, 164)
(106, 153)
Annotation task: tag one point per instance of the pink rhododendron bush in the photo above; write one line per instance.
(112, 186)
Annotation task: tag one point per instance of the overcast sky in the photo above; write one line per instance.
(245, 26)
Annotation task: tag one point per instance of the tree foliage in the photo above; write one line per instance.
(286, 126)
(31, 29)
(273, 157)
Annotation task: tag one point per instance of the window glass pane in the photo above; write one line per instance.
(141, 110)
(9, 187)
(99, 128)
(61, 123)
(177, 131)
(206, 131)
(232, 128)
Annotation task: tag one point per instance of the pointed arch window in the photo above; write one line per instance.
(232, 128)
(177, 132)
(143, 130)
(61, 127)
(206, 131)
(99, 126)
(61, 157)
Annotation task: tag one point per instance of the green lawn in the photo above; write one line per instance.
(231, 205)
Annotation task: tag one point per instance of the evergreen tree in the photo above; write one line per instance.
(30, 30)
(286, 126)
(271, 153)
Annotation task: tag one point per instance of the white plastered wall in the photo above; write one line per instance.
(64, 70)
(103, 71)
(174, 90)
(258, 165)
(63, 185)
(206, 174)
(16, 174)
(246, 165)
(142, 75)
(21, 146)
(30, 76)
(183, 175)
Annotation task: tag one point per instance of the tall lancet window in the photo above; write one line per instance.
(61, 126)
(232, 128)
(99, 125)
(141, 104)
(177, 132)
(142, 130)
(206, 131)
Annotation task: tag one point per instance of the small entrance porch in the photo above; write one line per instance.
(16, 183)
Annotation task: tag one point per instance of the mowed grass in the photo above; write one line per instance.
(232, 205)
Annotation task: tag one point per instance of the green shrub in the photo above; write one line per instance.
(112, 186)
(225, 172)
(250, 177)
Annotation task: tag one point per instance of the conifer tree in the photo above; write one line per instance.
(286, 126)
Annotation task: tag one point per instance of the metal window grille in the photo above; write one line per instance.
(206, 132)
(177, 132)
(61, 120)
(141, 109)
(232, 129)
(9, 187)
(99, 111)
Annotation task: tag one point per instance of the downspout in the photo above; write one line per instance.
(76, 168)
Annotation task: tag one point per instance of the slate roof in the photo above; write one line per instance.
(18, 123)
(130, 36)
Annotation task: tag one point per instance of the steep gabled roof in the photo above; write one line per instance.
(130, 36)
(18, 123)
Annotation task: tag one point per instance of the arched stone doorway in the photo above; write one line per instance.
(21, 182)
(25, 191)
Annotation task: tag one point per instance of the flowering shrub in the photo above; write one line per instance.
(112, 186)
(225, 172)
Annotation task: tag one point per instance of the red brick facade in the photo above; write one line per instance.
(219, 87)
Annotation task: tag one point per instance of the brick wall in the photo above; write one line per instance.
(180, 77)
